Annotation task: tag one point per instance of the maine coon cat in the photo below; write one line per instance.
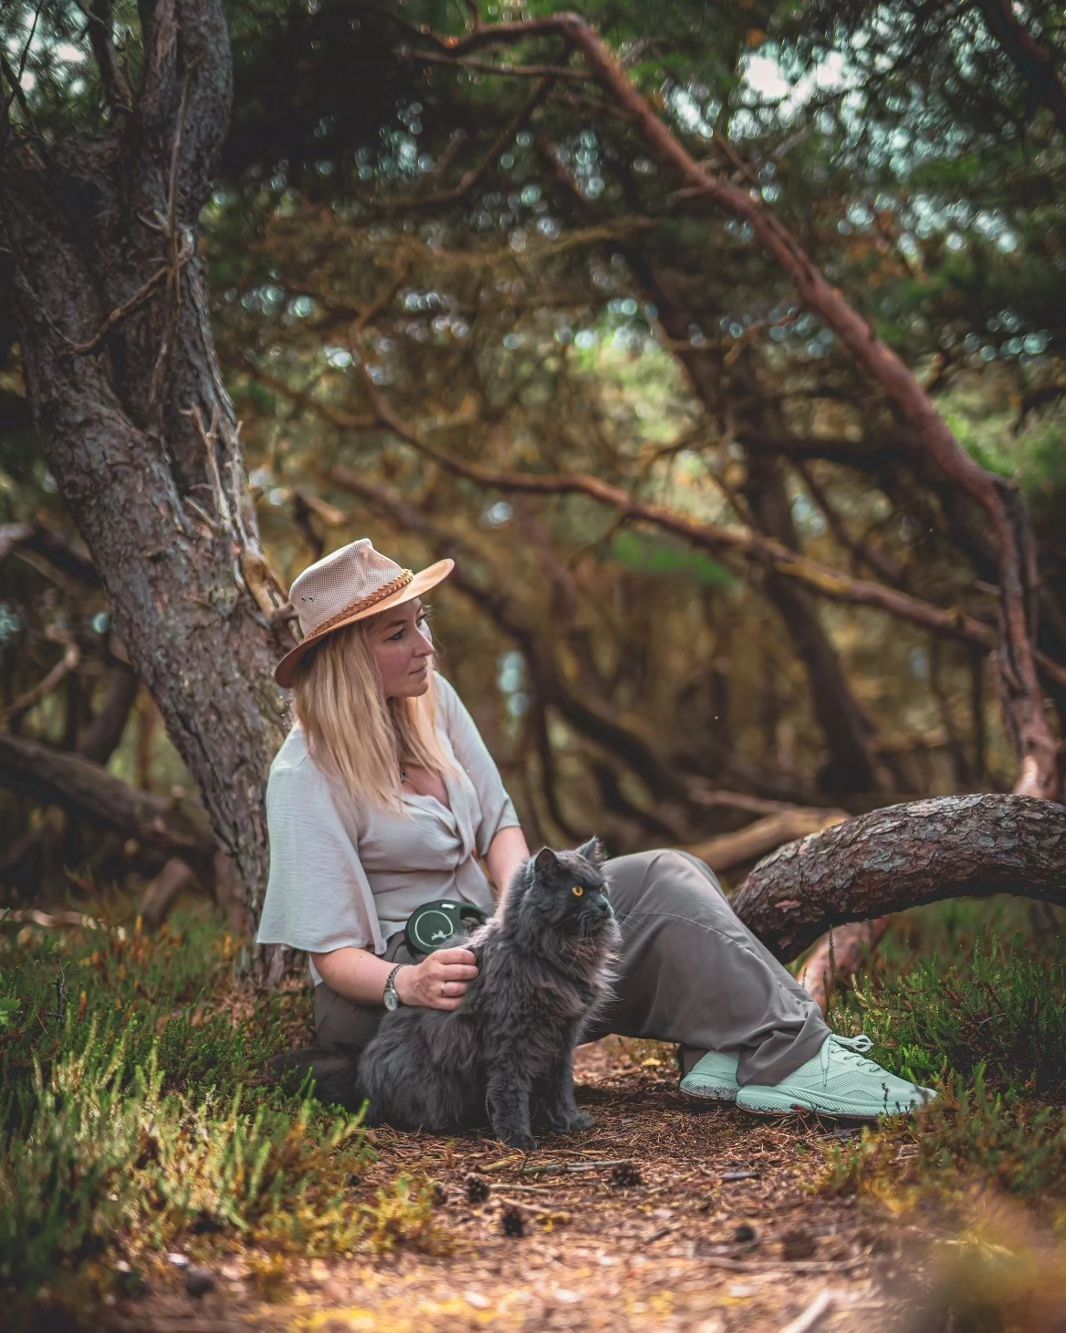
(543, 970)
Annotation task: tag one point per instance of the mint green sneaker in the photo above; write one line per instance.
(838, 1081)
(713, 1078)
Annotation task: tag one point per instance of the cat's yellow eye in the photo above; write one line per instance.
(577, 890)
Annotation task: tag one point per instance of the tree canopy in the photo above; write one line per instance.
(466, 302)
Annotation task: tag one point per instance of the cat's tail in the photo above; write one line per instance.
(335, 1074)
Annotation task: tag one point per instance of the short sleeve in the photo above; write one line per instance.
(497, 809)
(318, 897)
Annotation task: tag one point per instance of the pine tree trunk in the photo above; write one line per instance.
(131, 412)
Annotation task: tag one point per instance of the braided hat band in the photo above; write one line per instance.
(348, 585)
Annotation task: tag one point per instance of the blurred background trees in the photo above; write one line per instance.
(461, 308)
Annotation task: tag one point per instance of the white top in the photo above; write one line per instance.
(345, 872)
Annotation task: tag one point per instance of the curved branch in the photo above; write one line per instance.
(90, 792)
(905, 856)
(928, 434)
(185, 98)
(37, 540)
(1032, 61)
(45, 686)
(822, 579)
(726, 850)
(102, 39)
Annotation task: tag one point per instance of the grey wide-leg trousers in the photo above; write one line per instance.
(691, 972)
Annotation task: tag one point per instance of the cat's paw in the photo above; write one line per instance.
(571, 1124)
(523, 1142)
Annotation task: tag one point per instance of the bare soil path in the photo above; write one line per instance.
(664, 1216)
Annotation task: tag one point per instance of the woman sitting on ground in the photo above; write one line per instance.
(383, 797)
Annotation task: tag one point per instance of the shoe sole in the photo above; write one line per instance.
(785, 1104)
(722, 1097)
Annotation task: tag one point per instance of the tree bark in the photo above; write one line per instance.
(850, 764)
(132, 415)
(905, 856)
(1035, 63)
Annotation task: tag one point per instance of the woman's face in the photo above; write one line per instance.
(403, 649)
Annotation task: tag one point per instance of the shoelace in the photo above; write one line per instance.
(852, 1047)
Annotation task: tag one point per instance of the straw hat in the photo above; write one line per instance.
(349, 585)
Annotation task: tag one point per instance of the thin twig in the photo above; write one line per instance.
(550, 1168)
(120, 312)
(488, 67)
(525, 1206)
(814, 1313)
(67, 663)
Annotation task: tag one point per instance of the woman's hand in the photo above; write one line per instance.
(439, 981)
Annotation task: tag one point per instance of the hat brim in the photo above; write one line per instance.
(285, 671)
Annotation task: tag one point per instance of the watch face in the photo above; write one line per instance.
(392, 1000)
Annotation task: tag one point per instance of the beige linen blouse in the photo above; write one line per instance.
(343, 872)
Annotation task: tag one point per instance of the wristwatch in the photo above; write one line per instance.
(392, 995)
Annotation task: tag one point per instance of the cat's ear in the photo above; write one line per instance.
(593, 851)
(545, 859)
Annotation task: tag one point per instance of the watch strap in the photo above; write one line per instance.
(390, 983)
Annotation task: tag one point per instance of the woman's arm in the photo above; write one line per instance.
(439, 981)
(506, 853)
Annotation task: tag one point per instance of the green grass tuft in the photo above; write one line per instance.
(135, 1118)
(988, 1030)
(993, 1008)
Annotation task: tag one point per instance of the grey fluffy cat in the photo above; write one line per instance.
(543, 969)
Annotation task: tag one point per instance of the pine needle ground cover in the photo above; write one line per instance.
(138, 1130)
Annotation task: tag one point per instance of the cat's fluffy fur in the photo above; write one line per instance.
(543, 970)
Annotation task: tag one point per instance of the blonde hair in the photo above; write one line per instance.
(355, 734)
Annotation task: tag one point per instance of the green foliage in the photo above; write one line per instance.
(970, 1133)
(134, 1116)
(100, 1151)
(402, 1213)
(988, 1030)
(1031, 455)
(995, 1008)
(147, 991)
(661, 557)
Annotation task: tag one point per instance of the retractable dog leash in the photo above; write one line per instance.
(435, 925)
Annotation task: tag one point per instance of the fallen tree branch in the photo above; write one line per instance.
(90, 792)
(905, 856)
(764, 835)
(64, 917)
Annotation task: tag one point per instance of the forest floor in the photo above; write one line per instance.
(154, 1178)
(666, 1215)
